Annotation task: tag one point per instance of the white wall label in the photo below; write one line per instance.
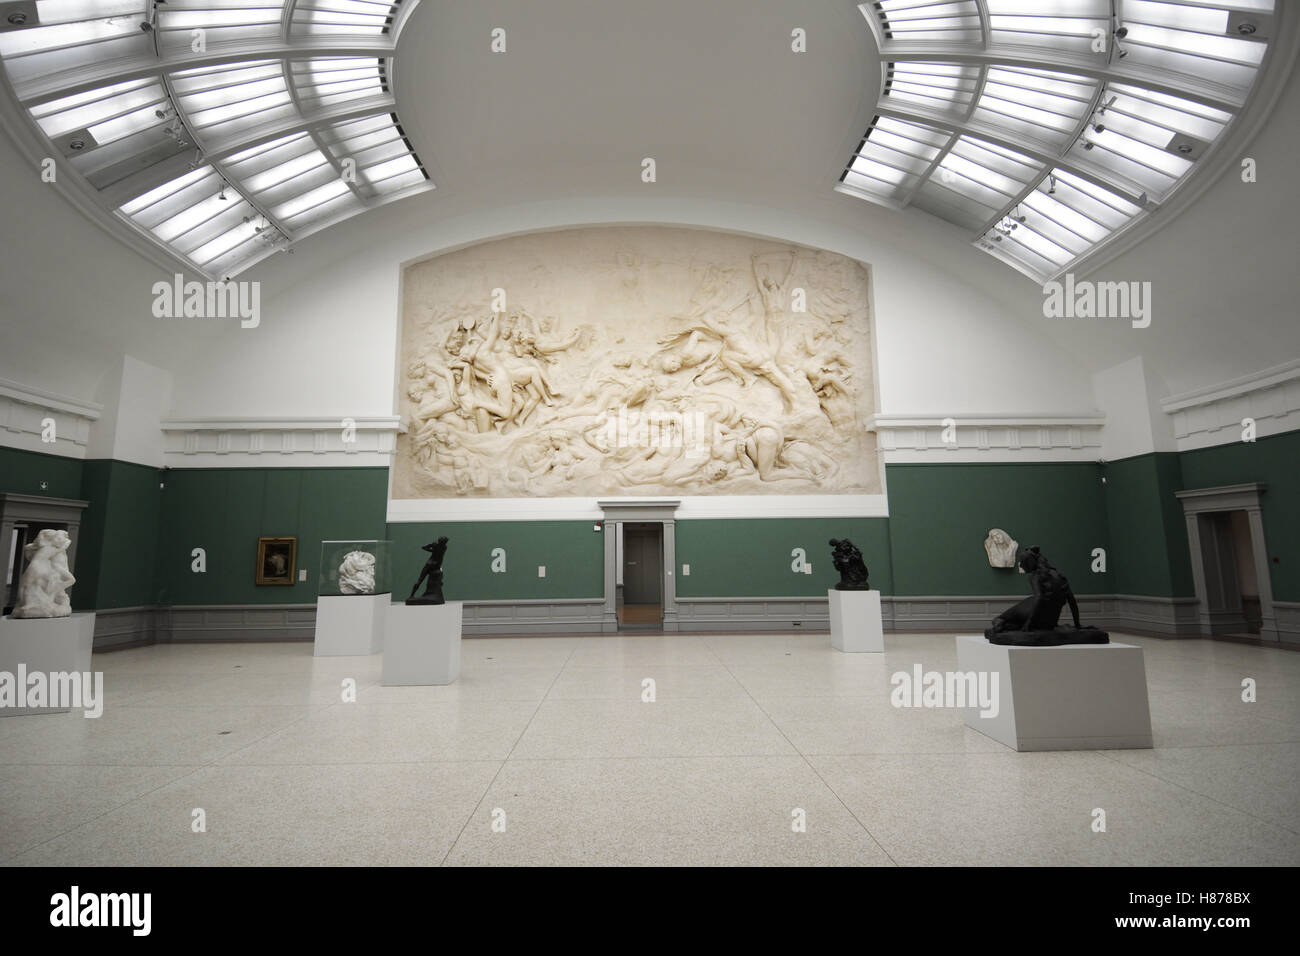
(541, 570)
(686, 570)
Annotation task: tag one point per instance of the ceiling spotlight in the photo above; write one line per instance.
(1121, 33)
(1246, 28)
(1099, 127)
(222, 195)
(18, 18)
(77, 144)
(146, 27)
(1051, 185)
(161, 114)
(1184, 148)
(1087, 144)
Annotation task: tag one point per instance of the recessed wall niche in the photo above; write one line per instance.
(633, 361)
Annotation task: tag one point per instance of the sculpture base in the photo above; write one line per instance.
(856, 626)
(1057, 637)
(46, 645)
(350, 625)
(427, 599)
(853, 587)
(1075, 697)
(422, 645)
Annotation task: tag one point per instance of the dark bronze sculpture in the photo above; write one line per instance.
(1033, 622)
(432, 574)
(848, 561)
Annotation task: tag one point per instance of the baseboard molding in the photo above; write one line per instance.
(565, 616)
(120, 627)
(1287, 615)
(242, 622)
(753, 614)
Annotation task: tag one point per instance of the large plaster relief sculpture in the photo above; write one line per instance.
(43, 588)
(636, 360)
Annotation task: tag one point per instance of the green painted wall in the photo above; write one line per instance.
(572, 553)
(940, 514)
(1148, 551)
(137, 539)
(22, 472)
(1275, 461)
(119, 544)
(752, 557)
(225, 511)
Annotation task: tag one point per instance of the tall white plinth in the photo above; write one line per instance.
(1073, 697)
(856, 626)
(46, 645)
(350, 625)
(422, 645)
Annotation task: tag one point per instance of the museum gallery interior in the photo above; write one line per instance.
(744, 432)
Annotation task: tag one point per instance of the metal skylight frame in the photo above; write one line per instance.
(1133, 118)
(242, 123)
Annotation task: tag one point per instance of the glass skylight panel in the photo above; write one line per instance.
(1201, 41)
(226, 101)
(329, 17)
(942, 87)
(1063, 25)
(1038, 104)
(324, 83)
(69, 36)
(893, 157)
(910, 20)
(223, 23)
(101, 110)
(1131, 162)
(384, 161)
(1064, 218)
(974, 181)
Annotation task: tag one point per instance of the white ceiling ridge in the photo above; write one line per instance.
(1081, 419)
(1234, 388)
(379, 423)
(39, 397)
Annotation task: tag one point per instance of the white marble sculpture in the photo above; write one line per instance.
(357, 573)
(43, 588)
(636, 360)
(1001, 549)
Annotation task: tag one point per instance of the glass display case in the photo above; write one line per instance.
(354, 567)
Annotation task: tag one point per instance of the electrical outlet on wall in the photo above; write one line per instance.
(541, 570)
(686, 570)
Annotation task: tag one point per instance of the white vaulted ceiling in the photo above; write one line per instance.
(1018, 122)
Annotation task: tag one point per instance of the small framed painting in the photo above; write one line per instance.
(277, 560)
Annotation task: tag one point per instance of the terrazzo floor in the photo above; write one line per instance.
(544, 752)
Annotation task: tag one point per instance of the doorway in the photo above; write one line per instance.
(642, 573)
(1230, 569)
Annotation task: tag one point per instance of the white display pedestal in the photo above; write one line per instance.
(422, 645)
(350, 625)
(855, 622)
(1074, 697)
(46, 645)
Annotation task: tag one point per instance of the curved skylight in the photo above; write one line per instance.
(1047, 127)
(221, 130)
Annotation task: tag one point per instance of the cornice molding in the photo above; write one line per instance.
(24, 409)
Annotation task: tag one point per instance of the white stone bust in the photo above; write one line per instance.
(357, 573)
(43, 588)
(1001, 549)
